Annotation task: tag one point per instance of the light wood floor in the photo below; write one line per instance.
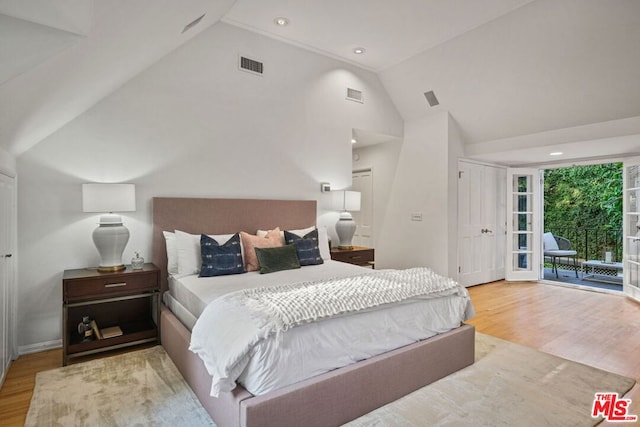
(600, 330)
(596, 329)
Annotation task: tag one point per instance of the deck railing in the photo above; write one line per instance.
(593, 243)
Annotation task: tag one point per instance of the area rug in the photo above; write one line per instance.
(141, 388)
(508, 385)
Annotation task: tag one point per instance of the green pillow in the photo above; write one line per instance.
(276, 259)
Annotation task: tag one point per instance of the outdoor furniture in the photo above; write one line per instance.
(556, 247)
(601, 265)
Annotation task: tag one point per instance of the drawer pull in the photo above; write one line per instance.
(356, 257)
(115, 285)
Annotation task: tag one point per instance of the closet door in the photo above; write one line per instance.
(481, 223)
(6, 271)
(362, 181)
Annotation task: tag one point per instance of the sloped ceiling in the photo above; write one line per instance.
(63, 56)
(549, 65)
(502, 68)
(390, 31)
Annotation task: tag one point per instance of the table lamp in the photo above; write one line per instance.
(111, 236)
(346, 201)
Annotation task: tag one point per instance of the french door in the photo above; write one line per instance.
(631, 225)
(523, 224)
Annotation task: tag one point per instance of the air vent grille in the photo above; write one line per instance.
(354, 95)
(192, 24)
(251, 65)
(431, 98)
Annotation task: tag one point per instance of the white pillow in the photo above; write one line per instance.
(323, 243)
(323, 238)
(172, 252)
(188, 247)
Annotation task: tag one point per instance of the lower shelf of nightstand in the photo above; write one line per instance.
(132, 334)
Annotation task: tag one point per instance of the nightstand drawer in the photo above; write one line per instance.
(358, 256)
(110, 285)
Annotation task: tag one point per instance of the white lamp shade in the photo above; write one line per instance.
(345, 200)
(108, 197)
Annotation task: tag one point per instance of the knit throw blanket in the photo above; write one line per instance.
(286, 306)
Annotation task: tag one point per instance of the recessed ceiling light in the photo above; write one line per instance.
(359, 50)
(353, 140)
(281, 21)
(556, 153)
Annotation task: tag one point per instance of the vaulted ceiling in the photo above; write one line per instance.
(504, 69)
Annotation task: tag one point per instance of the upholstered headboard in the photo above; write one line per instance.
(221, 216)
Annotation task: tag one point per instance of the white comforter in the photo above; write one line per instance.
(242, 329)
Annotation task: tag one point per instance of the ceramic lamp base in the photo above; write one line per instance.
(345, 228)
(110, 238)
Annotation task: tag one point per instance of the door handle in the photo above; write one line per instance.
(8, 255)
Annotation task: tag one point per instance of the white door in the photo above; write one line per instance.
(6, 272)
(523, 225)
(363, 182)
(631, 225)
(481, 223)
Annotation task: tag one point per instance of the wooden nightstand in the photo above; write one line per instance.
(129, 299)
(359, 255)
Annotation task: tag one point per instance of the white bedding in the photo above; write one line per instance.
(315, 348)
(195, 293)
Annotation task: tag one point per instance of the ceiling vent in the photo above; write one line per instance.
(354, 95)
(192, 24)
(431, 98)
(251, 65)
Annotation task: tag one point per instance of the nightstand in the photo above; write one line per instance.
(359, 255)
(129, 299)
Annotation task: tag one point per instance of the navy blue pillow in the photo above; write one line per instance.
(306, 247)
(220, 260)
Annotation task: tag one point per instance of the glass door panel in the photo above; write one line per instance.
(631, 268)
(523, 207)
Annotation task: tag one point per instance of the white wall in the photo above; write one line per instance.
(190, 125)
(7, 163)
(421, 185)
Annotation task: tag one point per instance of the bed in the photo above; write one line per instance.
(330, 398)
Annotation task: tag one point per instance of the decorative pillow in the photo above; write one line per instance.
(220, 260)
(251, 242)
(277, 259)
(172, 252)
(323, 239)
(189, 255)
(306, 247)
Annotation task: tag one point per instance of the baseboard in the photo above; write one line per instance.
(41, 346)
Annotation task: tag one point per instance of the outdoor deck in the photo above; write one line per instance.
(569, 276)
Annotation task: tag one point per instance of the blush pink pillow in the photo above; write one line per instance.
(251, 242)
